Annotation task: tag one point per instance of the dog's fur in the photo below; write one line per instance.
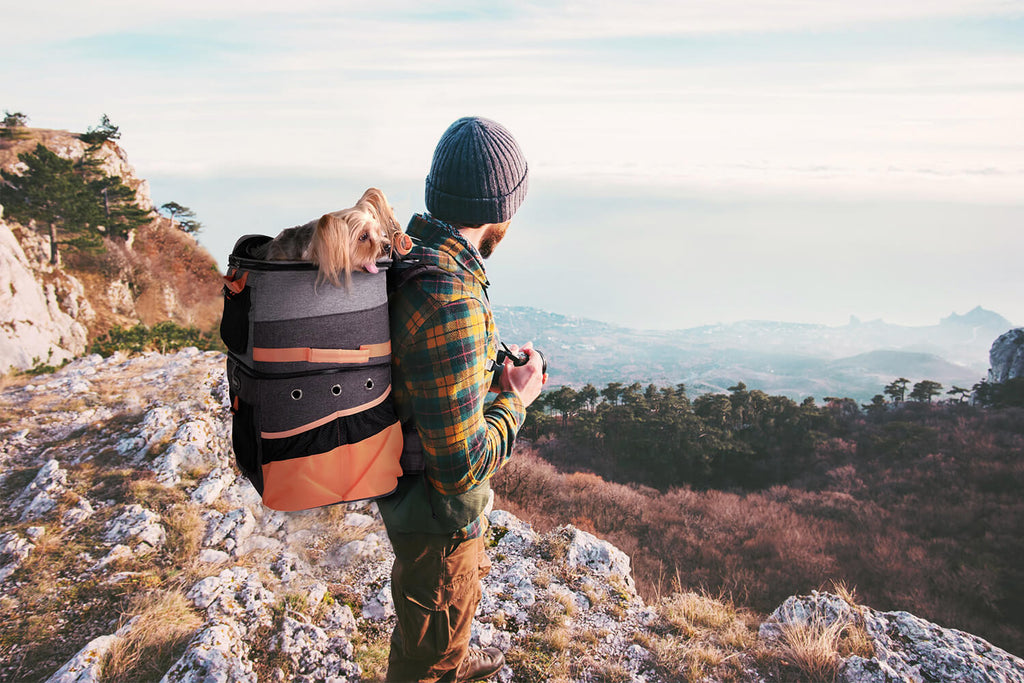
(341, 241)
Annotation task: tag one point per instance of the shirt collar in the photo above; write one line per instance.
(432, 232)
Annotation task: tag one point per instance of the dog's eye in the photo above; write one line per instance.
(365, 236)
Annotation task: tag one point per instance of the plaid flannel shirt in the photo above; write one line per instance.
(442, 333)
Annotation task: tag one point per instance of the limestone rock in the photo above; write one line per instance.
(217, 655)
(14, 549)
(41, 495)
(211, 487)
(35, 325)
(919, 650)
(315, 656)
(136, 523)
(907, 648)
(373, 546)
(597, 555)
(1006, 357)
(82, 511)
(87, 665)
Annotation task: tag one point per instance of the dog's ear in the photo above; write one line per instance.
(380, 208)
(330, 250)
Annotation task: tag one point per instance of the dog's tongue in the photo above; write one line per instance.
(371, 267)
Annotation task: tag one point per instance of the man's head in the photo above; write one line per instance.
(478, 175)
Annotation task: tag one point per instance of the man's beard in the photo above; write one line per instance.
(491, 237)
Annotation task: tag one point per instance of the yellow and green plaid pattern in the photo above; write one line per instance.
(442, 333)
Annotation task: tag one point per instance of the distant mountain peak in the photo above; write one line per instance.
(978, 316)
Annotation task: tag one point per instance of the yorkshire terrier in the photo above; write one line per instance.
(342, 241)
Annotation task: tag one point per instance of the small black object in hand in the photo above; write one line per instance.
(522, 359)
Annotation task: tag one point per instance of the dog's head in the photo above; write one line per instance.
(353, 238)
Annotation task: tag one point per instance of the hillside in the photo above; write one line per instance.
(50, 313)
(798, 360)
(130, 549)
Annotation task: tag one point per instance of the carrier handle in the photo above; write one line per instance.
(309, 355)
(234, 283)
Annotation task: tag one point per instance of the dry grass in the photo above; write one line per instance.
(372, 646)
(185, 528)
(9, 380)
(816, 648)
(812, 648)
(162, 622)
(329, 531)
(699, 637)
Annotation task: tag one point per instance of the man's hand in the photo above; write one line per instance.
(525, 380)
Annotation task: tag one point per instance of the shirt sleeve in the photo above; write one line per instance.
(464, 440)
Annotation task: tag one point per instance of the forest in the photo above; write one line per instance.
(914, 502)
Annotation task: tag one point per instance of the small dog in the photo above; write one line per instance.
(342, 241)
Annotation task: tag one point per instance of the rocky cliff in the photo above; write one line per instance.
(43, 310)
(128, 542)
(50, 313)
(1006, 357)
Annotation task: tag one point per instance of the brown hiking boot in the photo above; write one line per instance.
(480, 664)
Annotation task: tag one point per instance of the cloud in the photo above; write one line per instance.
(566, 19)
(731, 95)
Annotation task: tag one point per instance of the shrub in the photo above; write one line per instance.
(163, 337)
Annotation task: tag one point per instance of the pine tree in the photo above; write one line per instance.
(51, 193)
(12, 124)
(118, 202)
(925, 389)
(183, 216)
(897, 389)
(101, 133)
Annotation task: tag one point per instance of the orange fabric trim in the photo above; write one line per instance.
(357, 471)
(324, 420)
(401, 243)
(235, 284)
(307, 355)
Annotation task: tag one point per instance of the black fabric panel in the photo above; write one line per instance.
(245, 442)
(234, 325)
(339, 331)
(282, 408)
(342, 431)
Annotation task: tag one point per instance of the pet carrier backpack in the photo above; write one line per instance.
(309, 373)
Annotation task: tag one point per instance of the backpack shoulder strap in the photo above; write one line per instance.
(406, 271)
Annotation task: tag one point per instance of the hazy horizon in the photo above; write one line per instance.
(690, 163)
(562, 254)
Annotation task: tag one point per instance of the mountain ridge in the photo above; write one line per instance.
(774, 356)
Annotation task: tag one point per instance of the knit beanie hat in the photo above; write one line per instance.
(478, 174)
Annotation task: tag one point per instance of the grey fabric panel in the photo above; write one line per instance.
(289, 295)
(339, 331)
(280, 411)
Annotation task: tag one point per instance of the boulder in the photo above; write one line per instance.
(1006, 357)
(907, 648)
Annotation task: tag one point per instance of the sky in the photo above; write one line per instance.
(690, 163)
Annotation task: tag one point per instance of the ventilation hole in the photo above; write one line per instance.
(296, 394)
(369, 384)
(336, 390)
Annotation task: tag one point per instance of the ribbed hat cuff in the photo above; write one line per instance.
(474, 210)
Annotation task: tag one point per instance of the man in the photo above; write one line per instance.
(442, 336)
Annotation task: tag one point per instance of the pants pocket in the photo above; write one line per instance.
(426, 630)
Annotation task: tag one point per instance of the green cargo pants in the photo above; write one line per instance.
(435, 583)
